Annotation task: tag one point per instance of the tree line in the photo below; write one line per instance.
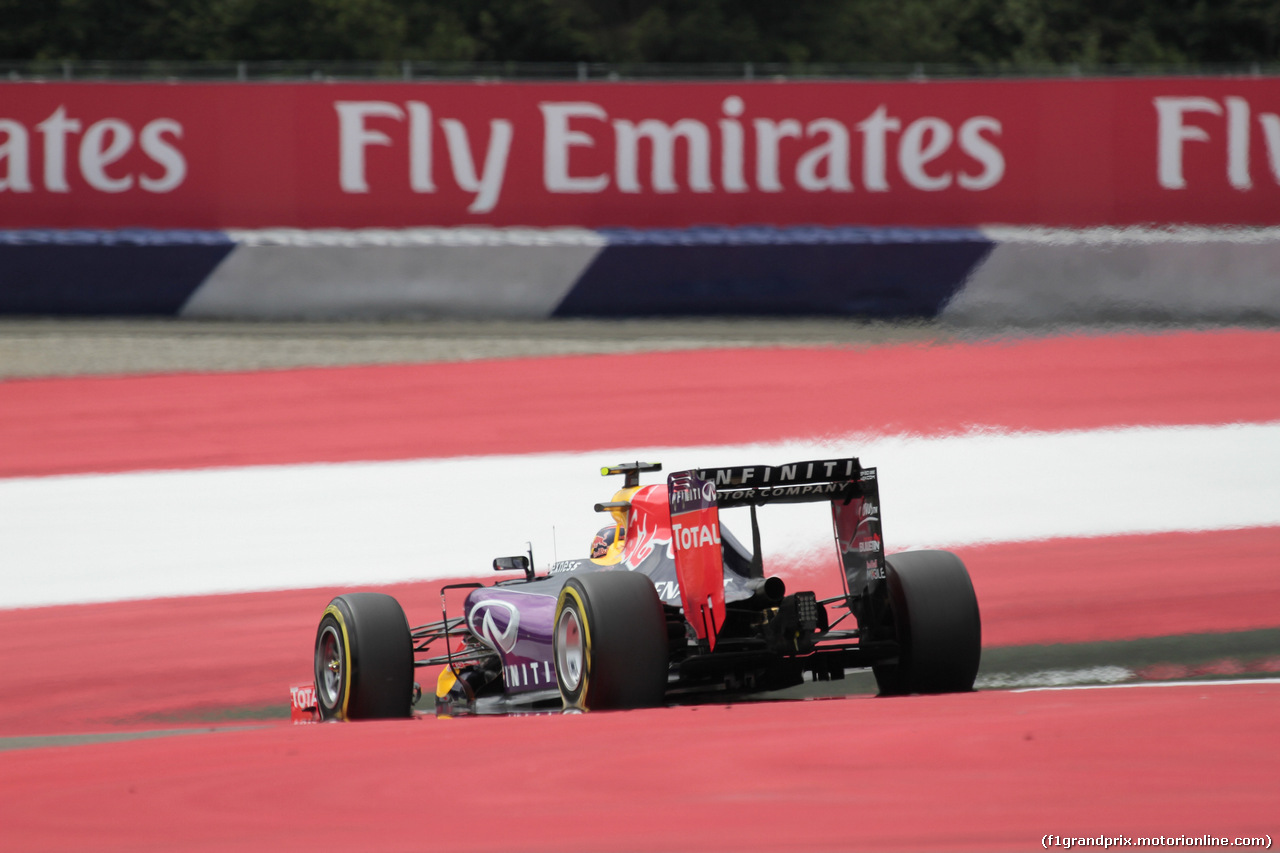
(985, 34)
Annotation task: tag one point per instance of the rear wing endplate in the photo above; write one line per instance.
(856, 521)
(695, 538)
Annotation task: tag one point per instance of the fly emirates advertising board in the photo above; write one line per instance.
(1072, 153)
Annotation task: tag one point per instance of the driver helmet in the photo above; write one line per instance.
(604, 538)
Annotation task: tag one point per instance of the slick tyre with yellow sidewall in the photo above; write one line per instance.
(364, 659)
(610, 642)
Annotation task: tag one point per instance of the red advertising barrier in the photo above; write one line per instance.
(356, 155)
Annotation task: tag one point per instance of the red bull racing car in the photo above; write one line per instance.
(669, 605)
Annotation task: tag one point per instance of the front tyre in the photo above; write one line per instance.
(610, 642)
(364, 659)
(939, 631)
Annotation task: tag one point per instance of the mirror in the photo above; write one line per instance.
(517, 564)
(503, 564)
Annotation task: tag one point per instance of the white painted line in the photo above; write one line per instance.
(1047, 678)
(1207, 683)
(153, 534)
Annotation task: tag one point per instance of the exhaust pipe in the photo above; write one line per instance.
(767, 592)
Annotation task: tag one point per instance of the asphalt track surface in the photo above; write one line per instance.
(49, 347)
(984, 771)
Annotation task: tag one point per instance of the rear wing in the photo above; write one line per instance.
(853, 491)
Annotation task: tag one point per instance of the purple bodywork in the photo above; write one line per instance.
(517, 623)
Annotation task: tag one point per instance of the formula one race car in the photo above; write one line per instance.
(671, 605)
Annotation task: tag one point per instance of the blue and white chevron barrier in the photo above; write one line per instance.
(969, 275)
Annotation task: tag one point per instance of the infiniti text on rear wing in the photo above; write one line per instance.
(754, 485)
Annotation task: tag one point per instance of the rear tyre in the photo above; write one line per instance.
(936, 621)
(364, 659)
(610, 642)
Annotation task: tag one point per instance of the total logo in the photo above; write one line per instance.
(304, 697)
(486, 621)
(692, 537)
(304, 708)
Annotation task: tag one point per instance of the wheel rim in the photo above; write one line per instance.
(330, 675)
(571, 651)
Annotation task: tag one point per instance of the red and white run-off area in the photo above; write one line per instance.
(163, 538)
